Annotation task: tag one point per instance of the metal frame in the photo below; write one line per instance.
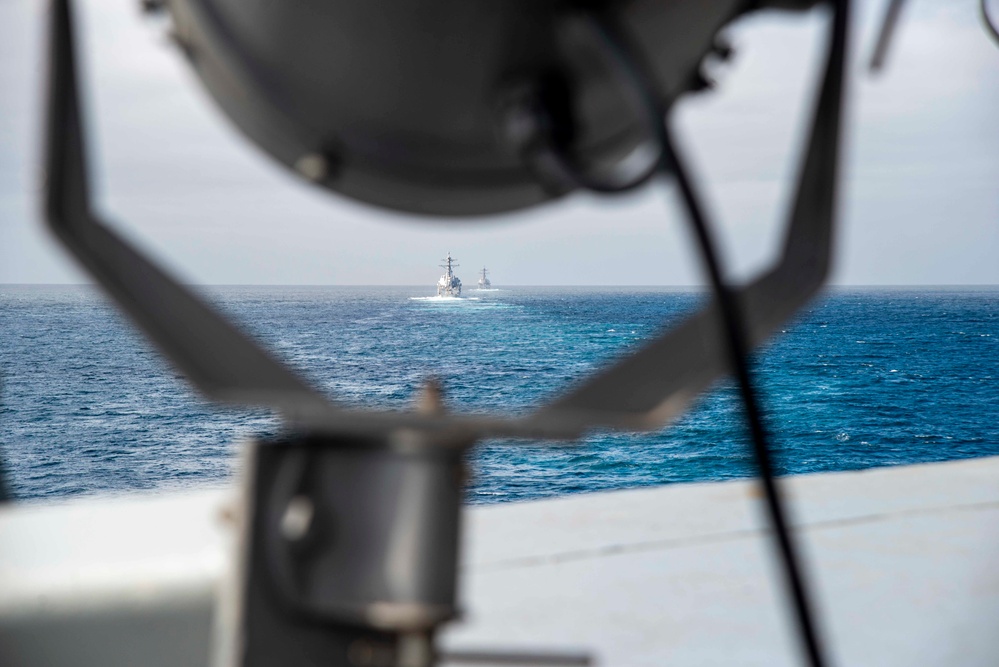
(644, 390)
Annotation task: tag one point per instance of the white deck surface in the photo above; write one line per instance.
(905, 563)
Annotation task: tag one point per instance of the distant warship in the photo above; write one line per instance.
(483, 281)
(449, 284)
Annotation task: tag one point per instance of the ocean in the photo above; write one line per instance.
(863, 378)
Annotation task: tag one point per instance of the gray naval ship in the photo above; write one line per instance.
(483, 280)
(449, 284)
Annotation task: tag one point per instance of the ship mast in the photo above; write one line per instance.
(448, 264)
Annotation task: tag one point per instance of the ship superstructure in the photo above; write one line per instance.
(483, 280)
(449, 284)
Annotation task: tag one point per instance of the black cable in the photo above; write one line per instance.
(630, 66)
(735, 338)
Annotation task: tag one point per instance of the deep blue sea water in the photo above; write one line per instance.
(863, 378)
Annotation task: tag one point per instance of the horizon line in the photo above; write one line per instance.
(572, 285)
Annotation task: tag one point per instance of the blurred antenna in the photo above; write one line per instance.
(885, 35)
(991, 19)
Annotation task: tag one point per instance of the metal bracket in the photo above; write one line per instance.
(657, 383)
(350, 549)
(643, 391)
(395, 493)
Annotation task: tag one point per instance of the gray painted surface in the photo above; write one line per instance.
(904, 560)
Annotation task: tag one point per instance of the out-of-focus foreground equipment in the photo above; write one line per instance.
(348, 523)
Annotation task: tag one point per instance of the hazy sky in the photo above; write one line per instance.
(921, 191)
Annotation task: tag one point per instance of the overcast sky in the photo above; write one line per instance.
(922, 169)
